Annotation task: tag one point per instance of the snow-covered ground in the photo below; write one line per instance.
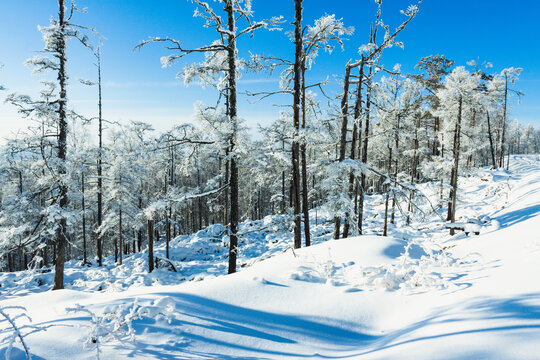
(417, 294)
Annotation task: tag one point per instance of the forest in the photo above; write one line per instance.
(390, 152)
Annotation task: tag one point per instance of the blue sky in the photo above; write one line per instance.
(136, 87)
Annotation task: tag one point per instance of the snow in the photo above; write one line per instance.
(416, 294)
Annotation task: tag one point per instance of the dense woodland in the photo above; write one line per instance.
(65, 198)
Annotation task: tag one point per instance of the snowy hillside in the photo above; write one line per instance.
(417, 294)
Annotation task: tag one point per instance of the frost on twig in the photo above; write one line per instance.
(117, 323)
(9, 318)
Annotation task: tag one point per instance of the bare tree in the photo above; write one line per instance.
(296, 122)
(372, 53)
(99, 163)
(226, 44)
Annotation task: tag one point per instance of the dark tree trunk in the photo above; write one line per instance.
(343, 140)
(282, 204)
(473, 125)
(120, 237)
(344, 114)
(396, 142)
(356, 137)
(305, 200)
(199, 200)
(226, 193)
(364, 156)
(453, 182)
(385, 230)
(83, 219)
(394, 200)
(231, 48)
(115, 244)
(492, 149)
(11, 267)
(45, 255)
(436, 151)
(168, 214)
(296, 123)
(168, 233)
(150, 246)
(503, 130)
(413, 171)
(62, 149)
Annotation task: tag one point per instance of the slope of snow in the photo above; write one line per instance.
(418, 294)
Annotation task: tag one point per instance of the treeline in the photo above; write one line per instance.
(65, 198)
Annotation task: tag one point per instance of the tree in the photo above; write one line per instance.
(370, 55)
(295, 161)
(323, 34)
(59, 50)
(398, 107)
(509, 74)
(52, 108)
(459, 90)
(226, 46)
(434, 68)
(121, 197)
(99, 162)
(99, 242)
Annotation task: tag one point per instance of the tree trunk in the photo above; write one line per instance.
(503, 130)
(454, 179)
(436, 139)
(295, 159)
(356, 137)
(226, 192)
(168, 233)
(99, 167)
(231, 48)
(305, 200)
(413, 171)
(115, 245)
(83, 219)
(393, 213)
(150, 246)
(62, 149)
(396, 142)
(473, 125)
(364, 157)
(282, 205)
(385, 230)
(120, 238)
(343, 140)
(491, 141)
(199, 200)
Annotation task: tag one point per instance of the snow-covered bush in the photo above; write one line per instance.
(116, 323)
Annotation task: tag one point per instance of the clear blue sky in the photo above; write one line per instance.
(137, 88)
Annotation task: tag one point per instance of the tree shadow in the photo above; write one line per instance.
(17, 354)
(228, 331)
(396, 250)
(513, 217)
(202, 328)
(499, 311)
